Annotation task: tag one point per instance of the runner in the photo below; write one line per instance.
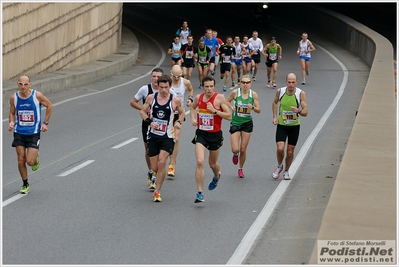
(162, 106)
(227, 51)
(179, 85)
(304, 48)
(202, 56)
(247, 52)
(236, 62)
(258, 48)
(241, 126)
(174, 50)
(187, 58)
(26, 122)
(212, 108)
(289, 103)
(273, 53)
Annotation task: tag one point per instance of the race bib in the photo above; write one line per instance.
(162, 127)
(189, 54)
(273, 56)
(26, 117)
(202, 60)
(226, 59)
(243, 110)
(289, 117)
(205, 120)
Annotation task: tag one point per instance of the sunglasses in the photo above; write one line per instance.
(176, 76)
(245, 82)
(23, 84)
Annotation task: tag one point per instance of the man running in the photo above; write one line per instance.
(212, 108)
(162, 106)
(202, 56)
(236, 62)
(187, 58)
(25, 120)
(273, 53)
(258, 48)
(179, 85)
(288, 105)
(227, 51)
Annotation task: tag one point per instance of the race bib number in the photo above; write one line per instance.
(273, 56)
(226, 59)
(189, 54)
(243, 110)
(205, 120)
(162, 126)
(289, 117)
(26, 117)
(202, 59)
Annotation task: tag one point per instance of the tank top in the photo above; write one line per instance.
(286, 116)
(202, 55)
(174, 47)
(163, 115)
(28, 114)
(242, 113)
(179, 91)
(272, 52)
(238, 51)
(207, 121)
(304, 46)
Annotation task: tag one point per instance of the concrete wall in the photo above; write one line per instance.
(47, 37)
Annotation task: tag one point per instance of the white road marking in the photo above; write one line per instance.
(247, 242)
(80, 166)
(12, 199)
(124, 143)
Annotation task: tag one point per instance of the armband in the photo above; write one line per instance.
(148, 120)
(191, 99)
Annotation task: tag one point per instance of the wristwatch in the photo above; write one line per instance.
(45, 122)
(215, 112)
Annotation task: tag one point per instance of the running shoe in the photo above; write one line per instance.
(307, 73)
(199, 198)
(36, 165)
(157, 197)
(276, 173)
(213, 73)
(200, 87)
(149, 177)
(233, 84)
(221, 77)
(268, 84)
(240, 173)
(24, 189)
(251, 70)
(239, 81)
(303, 82)
(171, 171)
(253, 78)
(212, 185)
(235, 159)
(286, 175)
(224, 88)
(274, 84)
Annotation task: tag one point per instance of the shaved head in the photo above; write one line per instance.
(176, 70)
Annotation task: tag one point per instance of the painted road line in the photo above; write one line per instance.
(247, 242)
(80, 166)
(124, 143)
(12, 199)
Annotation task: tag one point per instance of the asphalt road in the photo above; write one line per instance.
(103, 212)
